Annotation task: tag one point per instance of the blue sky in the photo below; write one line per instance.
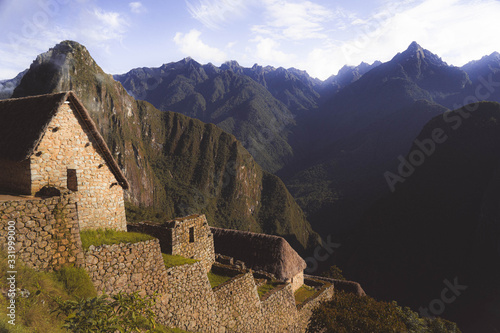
(317, 36)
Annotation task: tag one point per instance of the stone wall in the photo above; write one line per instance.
(68, 145)
(125, 267)
(279, 311)
(297, 281)
(306, 308)
(185, 298)
(15, 177)
(189, 237)
(239, 304)
(46, 231)
(342, 285)
(192, 238)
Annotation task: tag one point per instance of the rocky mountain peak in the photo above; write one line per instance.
(415, 52)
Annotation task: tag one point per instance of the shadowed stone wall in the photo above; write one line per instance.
(46, 232)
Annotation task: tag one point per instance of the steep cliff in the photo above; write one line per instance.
(176, 165)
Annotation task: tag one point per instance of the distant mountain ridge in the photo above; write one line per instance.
(330, 141)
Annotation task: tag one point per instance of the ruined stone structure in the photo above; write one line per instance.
(263, 252)
(49, 141)
(52, 153)
(188, 237)
(186, 299)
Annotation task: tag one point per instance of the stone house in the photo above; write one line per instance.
(192, 237)
(261, 252)
(188, 237)
(49, 142)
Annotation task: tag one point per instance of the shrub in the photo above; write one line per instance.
(347, 312)
(334, 272)
(122, 312)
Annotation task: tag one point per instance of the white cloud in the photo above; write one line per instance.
(137, 7)
(99, 27)
(456, 30)
(294, 20)
(268, 51)
(191, 45)
(213, 13)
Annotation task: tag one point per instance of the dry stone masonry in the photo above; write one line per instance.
(46, 231)
(186, 299)
(49, 141)
(188, 237)
(67, 157)
(49, 147)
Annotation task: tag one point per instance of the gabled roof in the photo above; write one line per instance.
(268, 253)
(23, 122)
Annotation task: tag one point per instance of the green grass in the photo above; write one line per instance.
(34, 313)
(76, 282)
(303, 293)
(217, 279)
(110, 237)
(172, 261)
(267, 287)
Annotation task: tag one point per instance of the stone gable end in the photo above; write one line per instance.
(68, 157)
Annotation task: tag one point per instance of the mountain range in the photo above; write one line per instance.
(176, 165)
(200, 138)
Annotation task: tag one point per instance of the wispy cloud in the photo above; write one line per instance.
(294, 20)
(137, 7)
(213, 13)
(98, 27)
(191, 45)
(455, 30)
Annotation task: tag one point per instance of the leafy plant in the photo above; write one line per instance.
(122, 312)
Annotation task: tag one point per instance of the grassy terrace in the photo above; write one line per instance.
(110, 237)
(303, 293)
(217, 278)
(267, 287)
(172, 261)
